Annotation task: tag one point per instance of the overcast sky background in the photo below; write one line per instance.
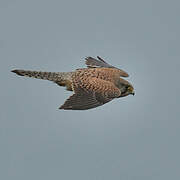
(133, 138)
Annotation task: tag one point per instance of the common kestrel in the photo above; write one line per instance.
(93, 86)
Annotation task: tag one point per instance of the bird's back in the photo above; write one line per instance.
(107, 74)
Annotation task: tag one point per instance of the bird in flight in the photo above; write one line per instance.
(93, 86)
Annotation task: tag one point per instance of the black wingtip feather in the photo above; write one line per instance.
(101, 59)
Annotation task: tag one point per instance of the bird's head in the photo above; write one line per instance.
(130, 90)
(127, 90)
(125, 87)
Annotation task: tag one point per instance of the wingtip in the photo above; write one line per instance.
(88, 57)
(65, 107)
(99, 57)
(62, 107)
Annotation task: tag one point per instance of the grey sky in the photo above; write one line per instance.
(132, 138)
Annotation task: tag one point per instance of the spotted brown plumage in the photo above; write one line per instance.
(93, 86)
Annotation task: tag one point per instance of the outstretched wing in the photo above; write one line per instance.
(82, 101)
(92, 93)
(95, 63)
(92, 63)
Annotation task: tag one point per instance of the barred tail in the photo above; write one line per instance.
(61, 78)
(37, 74)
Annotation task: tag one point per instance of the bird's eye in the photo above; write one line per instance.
(130, 88)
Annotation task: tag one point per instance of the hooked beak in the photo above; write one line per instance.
(133, 93)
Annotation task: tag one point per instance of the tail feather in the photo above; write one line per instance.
(51, 76)
(61, 78)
